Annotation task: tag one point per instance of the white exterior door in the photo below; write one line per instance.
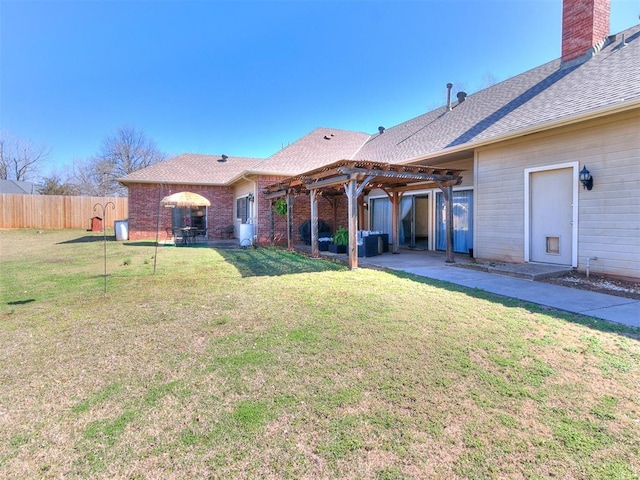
(551, 216)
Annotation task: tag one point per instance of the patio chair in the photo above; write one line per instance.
(226, 232)
(178, 235)
(169, 234)
(200, 234)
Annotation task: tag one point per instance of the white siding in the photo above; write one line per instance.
(608, 215)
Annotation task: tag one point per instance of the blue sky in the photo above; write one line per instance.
(245, 78)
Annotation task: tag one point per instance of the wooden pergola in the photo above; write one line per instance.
(356, 178)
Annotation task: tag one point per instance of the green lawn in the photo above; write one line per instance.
(267, 364)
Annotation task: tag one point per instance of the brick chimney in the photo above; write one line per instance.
(584, 24)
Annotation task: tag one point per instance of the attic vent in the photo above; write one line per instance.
(381, 130)
(462, 96)
(328, 137)
(223, 158)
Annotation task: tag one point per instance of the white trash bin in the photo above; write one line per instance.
(121, 227)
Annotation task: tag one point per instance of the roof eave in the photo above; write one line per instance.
(126, 182)
(622, 106)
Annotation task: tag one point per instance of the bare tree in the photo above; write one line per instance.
(487, 80)
(20, 159)
(93, 177)
(122, 153)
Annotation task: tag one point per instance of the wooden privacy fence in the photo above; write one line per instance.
(58, 211)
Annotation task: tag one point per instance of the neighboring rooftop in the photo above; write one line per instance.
(15, 186)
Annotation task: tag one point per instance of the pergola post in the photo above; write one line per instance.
(352, 198)
(313, 195)
(395, 220)
(272, 225)
(448, 197)
(290, 221)
(394, 179)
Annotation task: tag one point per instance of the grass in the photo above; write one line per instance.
(267, 364)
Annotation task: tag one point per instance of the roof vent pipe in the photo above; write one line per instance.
(381, 130)
(449, 87)
(462, 96)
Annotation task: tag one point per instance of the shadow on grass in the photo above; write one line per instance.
(152, 243)
(147, 243)
(21, 302)
(594, 323)
(274, 261)
(89, 239)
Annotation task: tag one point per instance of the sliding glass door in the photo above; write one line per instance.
(462, 221)
(414, 219)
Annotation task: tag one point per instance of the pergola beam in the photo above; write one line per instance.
(355, 177)
(404, 175)
(329, 182)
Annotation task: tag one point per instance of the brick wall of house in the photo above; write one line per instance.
(144, 207)
(144, 202)
(301, 213)
(584, 24)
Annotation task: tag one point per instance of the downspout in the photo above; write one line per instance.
(253, 208)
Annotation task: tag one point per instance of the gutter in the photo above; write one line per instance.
(623, 106)
(125, 182)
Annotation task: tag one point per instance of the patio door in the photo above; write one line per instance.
(462, 221)
(414, 221)
(195, 217)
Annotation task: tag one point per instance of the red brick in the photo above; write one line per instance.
(584, 24)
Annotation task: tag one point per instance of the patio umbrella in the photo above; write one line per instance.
(180, 199)
(185, 199)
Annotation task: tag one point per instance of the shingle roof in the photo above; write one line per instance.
(320, 147)
(16, 186)
(193, 169)
(549, 92)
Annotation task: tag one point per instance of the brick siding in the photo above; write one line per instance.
(144, 206)
(584, 24)
(144, 202)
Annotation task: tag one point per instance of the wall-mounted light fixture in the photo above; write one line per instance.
(586, 179)
(250, 197)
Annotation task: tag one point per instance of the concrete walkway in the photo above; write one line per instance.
(506, 282)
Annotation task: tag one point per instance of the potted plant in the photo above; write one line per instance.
(340, 241)
(280, 206)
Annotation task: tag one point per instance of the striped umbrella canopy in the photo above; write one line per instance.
(185, 199)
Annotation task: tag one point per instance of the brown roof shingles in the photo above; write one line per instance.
(320, 147)
(193, 169)
(544, 94)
